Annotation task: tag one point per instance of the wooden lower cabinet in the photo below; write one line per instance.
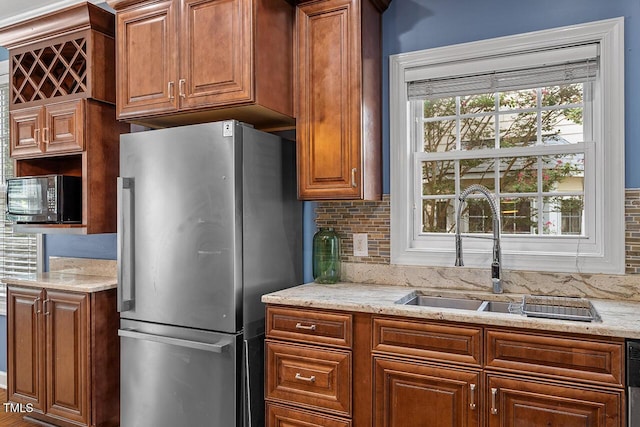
(283, 416)
(63, 355)
(407, 394)
(407, 372)
(521, 402)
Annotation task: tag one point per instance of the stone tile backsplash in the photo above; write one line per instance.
(373, 218)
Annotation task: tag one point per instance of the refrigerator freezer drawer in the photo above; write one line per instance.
(174, 376)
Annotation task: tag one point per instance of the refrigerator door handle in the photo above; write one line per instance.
(213, 348)
(126, 285)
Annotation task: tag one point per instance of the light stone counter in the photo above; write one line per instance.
(71, 274)
(619, 318)
(64, 282)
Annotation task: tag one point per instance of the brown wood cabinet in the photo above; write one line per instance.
(48, 130)
(408, 393)
(520, 401)
(63, 355)
(338, 101)
(62, 117)
(309, 368)
(411, 372)
(191, 61)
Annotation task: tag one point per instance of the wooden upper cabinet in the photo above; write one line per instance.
(53, 129)
(62, 107)
(60, 56)
(147, 73)
(216, 66)
(193, 61)
(338, 101)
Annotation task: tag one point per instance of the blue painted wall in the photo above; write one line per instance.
(410, 25)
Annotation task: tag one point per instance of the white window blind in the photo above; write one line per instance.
(18, 252)
(580, 64)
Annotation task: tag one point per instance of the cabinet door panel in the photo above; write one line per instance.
(524, 403)
(147, 68)
(415, 395)
(64, 131)
(216, 57)
(25, 132)
(26, 379)
(329, 100)
(67, 323)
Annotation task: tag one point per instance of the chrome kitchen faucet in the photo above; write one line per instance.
(496, 269)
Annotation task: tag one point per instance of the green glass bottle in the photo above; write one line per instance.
(326, 256)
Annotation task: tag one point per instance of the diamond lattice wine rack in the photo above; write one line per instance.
(49, 72)
(60, 56)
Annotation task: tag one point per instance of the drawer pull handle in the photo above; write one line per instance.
(311, 379)
(171, 90)
(472, 389)
(494, 394)
(36, 301)
(354, 184)
(306, 328)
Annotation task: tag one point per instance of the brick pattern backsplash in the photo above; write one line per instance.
(373, 218)
(632, 230)
(348, 217)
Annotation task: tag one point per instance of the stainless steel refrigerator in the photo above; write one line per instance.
(208, 221)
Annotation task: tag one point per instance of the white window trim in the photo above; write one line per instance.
(608, 254)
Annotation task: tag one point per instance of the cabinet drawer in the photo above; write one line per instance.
(309, 376)
(429, 340)
(309, 326)
(592, 361)
(282, 416)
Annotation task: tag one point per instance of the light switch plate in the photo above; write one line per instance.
(360, 244)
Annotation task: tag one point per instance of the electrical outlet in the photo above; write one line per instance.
(360, 244)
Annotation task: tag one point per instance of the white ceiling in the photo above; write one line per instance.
(12, 11)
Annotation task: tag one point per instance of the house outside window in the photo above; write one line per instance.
(536, 118)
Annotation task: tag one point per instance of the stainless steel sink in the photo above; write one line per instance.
(564, 308)
(497, 306)
(441, 302)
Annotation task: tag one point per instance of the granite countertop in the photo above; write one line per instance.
(64, 282)
(619, 318)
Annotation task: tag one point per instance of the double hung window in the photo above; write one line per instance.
(538, 120)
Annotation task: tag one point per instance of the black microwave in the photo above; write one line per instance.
(46, 199)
